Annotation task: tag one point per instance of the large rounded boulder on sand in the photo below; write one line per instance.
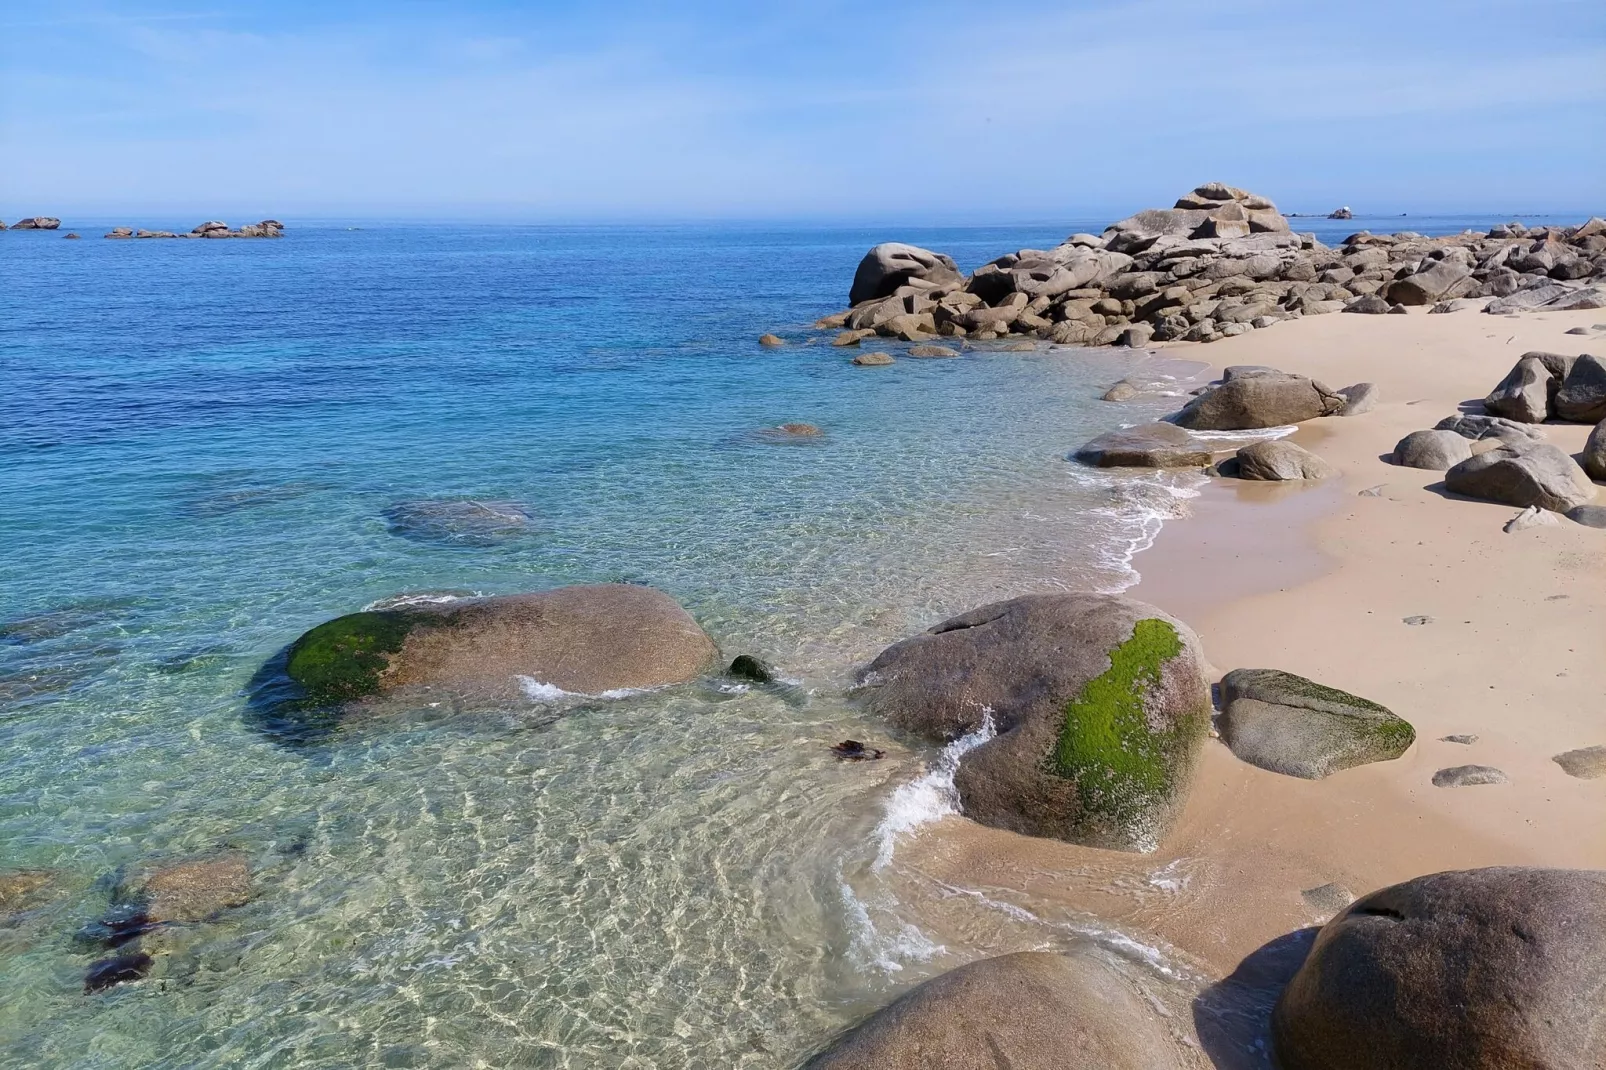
(1537, 474)
(1100, 704)
(585, 640)
(1291, 725)
(892, 264)
(1278, 460)
(1254, 401)
(1433, 451)
(1484, 969)
(1033, 1010)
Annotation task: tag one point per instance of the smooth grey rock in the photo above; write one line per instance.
(873, 360)
(1032, 1010)
(1281, 460)
(1585, 763)
(1358, 399)
(1582, 396)
(1100, 704)
(892, 264)
(1367, 304)
(1524, 394)
(1467, 776)
(1591, 516)
(1531, 517)
(1257, 401)
(1157, 445)
(1485, 969)
(1291, 725)
(1433, 451)
(1537, 474)
(1429, 284)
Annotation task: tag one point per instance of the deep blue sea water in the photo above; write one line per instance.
(199, 443)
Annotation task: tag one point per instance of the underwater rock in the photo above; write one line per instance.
(458, 522)
(851, 750)
(117, 970)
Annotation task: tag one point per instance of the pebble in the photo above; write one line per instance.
(1415, 621)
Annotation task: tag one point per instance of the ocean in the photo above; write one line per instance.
(204, 446)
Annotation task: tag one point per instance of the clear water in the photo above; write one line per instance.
(198, 441)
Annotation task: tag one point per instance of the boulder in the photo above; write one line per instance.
(1591, 516)
(1524, 394)
(1585, 763)
(1291, 725)
(1100, 704)
(1125, 390)
(1523, 475)
(1260, 401)
(892, 264)
(584, 640)
(1478, 427)
(1358, 399)
(1582, 395)
(1467, 776)
(1033, 1010)
(1157, 445)
(457, 521)
(873, 360)
(1434, 281)
(38, 222)
(1434, 451)
(1367, 304)
(1281, 460)
(1593, 459)
(1485, 969)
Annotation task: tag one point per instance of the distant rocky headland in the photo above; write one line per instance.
(1220, 262)
(268, 228)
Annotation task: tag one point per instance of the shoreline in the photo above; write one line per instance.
(1318, 584)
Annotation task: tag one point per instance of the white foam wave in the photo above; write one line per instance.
(929, 797)
(870, 947)
(539, 691)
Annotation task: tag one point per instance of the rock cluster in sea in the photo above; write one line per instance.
(268, 228)
(38, 222)
(1221, 262)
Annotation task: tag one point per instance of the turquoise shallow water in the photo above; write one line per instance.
(199, 442)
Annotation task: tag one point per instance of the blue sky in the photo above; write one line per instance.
(930, 111)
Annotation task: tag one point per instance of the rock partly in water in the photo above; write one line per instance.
(584, 640)
(1125, 390)
(1432, 451)
(1487, 969)
(1099, 702)
(932, 352)
(1466, 776)
(1537, 474)
(1157, 445)
(1280, 460)
(1258, 401)
(752, 669)
(1033, 1010)
(890, 265)
(458, 521)
(873, 360)
(38, 222)
(771, 340)
(1585, 763)
(1291, 725)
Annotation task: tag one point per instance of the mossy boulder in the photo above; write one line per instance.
(582, 640)
(1288, 724)
(1100, 704)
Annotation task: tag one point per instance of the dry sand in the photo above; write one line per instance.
(1318, 580)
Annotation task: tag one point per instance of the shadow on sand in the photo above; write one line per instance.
(1233, 1016)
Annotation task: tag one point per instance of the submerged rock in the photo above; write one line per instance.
(196, 890)
(1099, 703)
(873, 360)
(21, 889)
(1291, 725)
(1485, 969)
(458, 522)
(585, 640)
(117, 970)
(1032, 1010)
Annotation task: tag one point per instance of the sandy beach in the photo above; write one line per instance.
(1319, 580)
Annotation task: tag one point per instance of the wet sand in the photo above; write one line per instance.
(1318, 580)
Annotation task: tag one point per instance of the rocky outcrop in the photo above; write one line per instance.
(1281, 460)
(583, 640)
(1158, 445)
(1523, 475)
(268, 228)
(1291, 725)
(1221, 262)
(1099, 702)
(1486, 969)
(1257, 401)
(893, 265)
(1433, 451)
(38, 222)
(1033, 1010)
(1341, 213)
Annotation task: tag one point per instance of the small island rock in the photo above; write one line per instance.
(873, 360)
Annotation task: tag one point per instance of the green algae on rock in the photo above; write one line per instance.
(1099, 702)
(574, 640)
(1291, 725)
